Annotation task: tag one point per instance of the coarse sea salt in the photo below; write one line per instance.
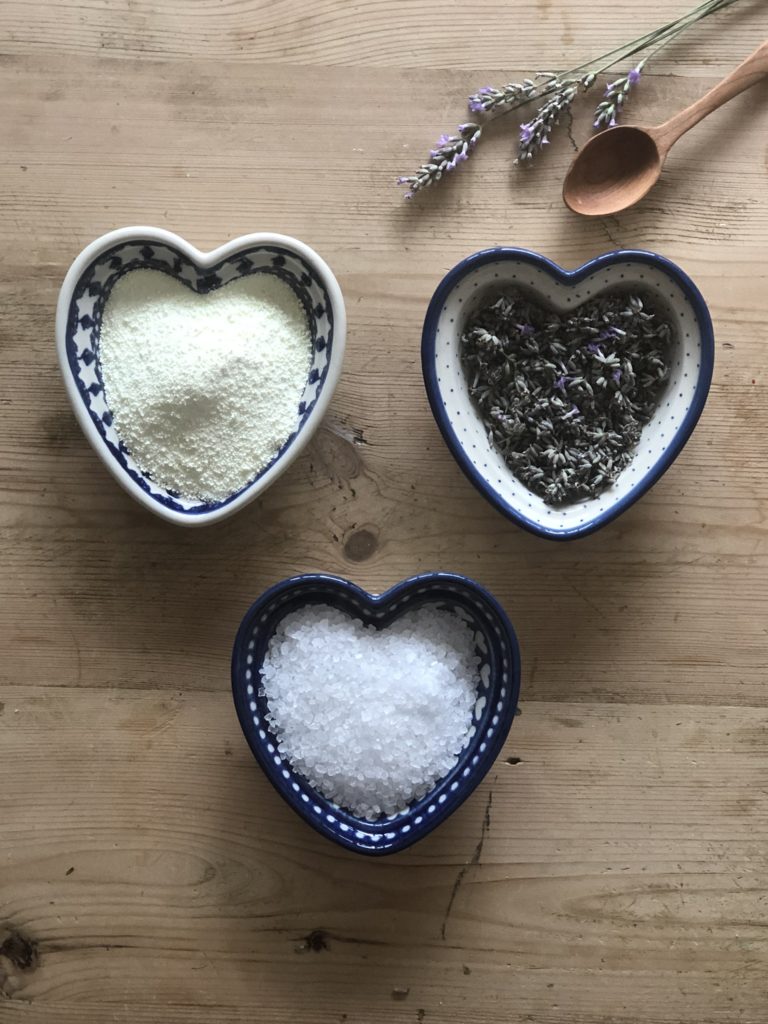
(204, 389)
(371, 718)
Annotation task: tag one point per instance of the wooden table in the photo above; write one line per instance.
(612, 867)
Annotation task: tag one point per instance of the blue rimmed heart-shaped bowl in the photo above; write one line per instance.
(82, 299)
(497, 696)
(486, 273)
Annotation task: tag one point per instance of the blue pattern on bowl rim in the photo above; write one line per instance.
(86, 309)
(662, 440)
(495, 708)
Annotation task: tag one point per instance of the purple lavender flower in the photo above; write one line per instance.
(616, 376)
(491, 99)
(526, 133)
(535, 133)
(609, 334)
(616, 94)
(479, 103)
(448, 153)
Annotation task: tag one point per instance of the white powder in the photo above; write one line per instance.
(371, 719)
(204, 389)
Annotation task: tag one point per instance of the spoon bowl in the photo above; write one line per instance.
(618, 167)
(613, 171)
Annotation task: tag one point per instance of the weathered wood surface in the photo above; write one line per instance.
(148, 874)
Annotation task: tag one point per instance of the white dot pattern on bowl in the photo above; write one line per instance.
(297, 783)
(467, 425)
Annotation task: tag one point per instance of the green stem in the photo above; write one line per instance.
(716, 6)
(662, 35)
(628, 49)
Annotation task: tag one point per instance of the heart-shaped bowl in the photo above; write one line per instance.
(86, 289)
(488, 272)
(498, 691)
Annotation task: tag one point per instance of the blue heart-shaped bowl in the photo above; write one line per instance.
(495, 707)
(488, 272)
(82, 299)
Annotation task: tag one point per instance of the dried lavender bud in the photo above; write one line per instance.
(450, 151)
(535, 133)
(489, 98)
(616, 95)
(564, 397)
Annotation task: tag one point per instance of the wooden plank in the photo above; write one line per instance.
(168, 866)
(149, 875)
(377, 33)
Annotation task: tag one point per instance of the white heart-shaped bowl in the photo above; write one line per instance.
(86, 289)
(465, 287)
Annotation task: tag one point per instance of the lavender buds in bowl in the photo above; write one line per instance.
(564, 395)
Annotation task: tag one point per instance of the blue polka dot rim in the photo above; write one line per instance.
(498, 693)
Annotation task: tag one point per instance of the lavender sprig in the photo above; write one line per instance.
(616, 94)
(489, 98)
(449, 152)
(558, 92)
(535, 133)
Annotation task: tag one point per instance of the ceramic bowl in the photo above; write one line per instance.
(497, 697)
(472, 281)
(86, 289)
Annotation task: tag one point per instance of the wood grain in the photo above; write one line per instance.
(148, 874)
(168, 866)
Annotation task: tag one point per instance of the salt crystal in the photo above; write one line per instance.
(371, 719)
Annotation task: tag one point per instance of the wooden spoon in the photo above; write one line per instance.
(618, 167)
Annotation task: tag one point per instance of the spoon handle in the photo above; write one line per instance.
(745, 75)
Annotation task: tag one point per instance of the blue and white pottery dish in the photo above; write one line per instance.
(86, 289)
(495, 708)
(470, 283)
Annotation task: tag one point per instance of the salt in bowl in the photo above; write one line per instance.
(497, 696)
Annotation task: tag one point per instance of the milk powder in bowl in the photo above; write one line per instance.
(199, 377)
(203, 388)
